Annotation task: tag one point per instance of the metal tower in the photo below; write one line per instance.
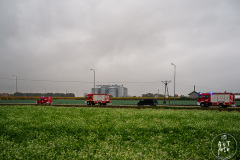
(166, 91)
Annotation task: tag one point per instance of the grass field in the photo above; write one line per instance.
(32, 132)
(113, 102)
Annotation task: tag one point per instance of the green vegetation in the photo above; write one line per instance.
(113, 102)
(33, 132)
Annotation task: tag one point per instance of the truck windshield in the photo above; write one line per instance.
(199, 96)
(88, 97)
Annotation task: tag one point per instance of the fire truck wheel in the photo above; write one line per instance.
(202, 105)
(221, 105)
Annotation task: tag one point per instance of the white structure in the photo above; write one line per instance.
(237, 96)
(113, 90)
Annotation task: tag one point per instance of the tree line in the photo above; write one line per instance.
(20, 94)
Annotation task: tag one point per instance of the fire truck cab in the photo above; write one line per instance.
(216, 99)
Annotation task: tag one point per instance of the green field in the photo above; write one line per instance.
(33, 132)
(113, 102)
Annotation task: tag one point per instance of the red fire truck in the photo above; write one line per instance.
(100, 99)
(45, 100)
(216, 99)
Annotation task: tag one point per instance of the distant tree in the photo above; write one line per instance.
(148, 95)
(70, 95)
(50, 94)
(158, 95)
(19, 94)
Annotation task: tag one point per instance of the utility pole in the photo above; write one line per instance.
(16, 83)
(94, 80)
(166, 91)
(174, 80)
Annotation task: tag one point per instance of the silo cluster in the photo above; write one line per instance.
(113, 90)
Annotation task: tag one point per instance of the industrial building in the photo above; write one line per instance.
(193, 94)
(113, 90)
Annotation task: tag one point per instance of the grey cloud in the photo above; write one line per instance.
(122, 40)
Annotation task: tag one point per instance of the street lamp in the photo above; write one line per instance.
(174, 80)
(94, 80)
(16, 83)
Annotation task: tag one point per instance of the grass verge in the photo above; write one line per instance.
(31, 132)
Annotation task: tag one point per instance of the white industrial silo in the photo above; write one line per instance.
(97, 90)
(120, 91)
(125, 94)
(104, 89)
(113, 91)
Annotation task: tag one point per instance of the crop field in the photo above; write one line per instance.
(46, 132)
(113, 102)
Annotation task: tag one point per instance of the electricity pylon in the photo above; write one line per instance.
(166, 91)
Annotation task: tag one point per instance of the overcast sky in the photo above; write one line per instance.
(127, 42)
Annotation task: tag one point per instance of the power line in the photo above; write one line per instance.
(191, 85)
(130, 82)
(42, 80)
(109, 82)
(74, 81)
